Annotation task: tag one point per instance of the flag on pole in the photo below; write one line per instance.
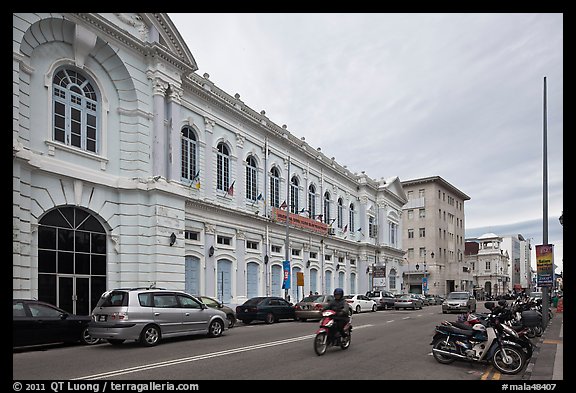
(283, 205)
(231, 189)
(359, 229)
(196, 180)
(346, 228)
(260, 197)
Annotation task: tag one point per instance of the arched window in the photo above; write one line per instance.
(274, 187)
(222, 168)
(294, 195)
(189, 154)
(76, 107)
(392, 279)
(327, 207)
(340, 213)
(251, 183)
(312, 201)
(351, 217)
(71, 259)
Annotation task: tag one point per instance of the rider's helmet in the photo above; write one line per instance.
(338, 293)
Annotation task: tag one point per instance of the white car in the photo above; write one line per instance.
(359, 303)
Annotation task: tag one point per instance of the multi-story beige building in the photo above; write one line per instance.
(433, 237)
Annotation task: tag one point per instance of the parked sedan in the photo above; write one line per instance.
(216, 304)
(311, 307)
(359, 303)
(269, 309)
(36, 323)
(432, 300)
(408, 301)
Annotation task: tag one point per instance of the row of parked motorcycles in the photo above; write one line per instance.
(501, 337)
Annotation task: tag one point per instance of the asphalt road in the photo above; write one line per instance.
(387, 345)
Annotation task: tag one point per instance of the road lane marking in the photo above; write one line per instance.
(486, 373)
(390, 321)
(173, 362)
(406, 317)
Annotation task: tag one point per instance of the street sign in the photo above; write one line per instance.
(379, 276)
(299, 279)
(545, 265)
(286, 278)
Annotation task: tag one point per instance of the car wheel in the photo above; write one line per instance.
(216, 328)
(303, 319)
(231, 321)
(114, 341)
(269, 318)
(358, 309)
(444, 312)
(150, 336)
(87, 339)
(350, 312)
(373, 308)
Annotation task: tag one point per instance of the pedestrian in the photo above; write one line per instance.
(316, 293)
(310, 293)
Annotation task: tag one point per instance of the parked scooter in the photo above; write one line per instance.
(496, 343)
(328, 335)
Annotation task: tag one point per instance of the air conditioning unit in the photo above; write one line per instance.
(331, 231)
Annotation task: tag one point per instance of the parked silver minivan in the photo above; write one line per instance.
(148, 315)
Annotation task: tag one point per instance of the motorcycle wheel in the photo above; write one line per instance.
(516, 360)
(345, 342)
(538, 331)
(531, 333)
(320, 343)
(442, 345)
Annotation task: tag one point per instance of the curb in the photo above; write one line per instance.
(530, 368)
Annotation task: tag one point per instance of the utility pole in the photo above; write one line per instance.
(545, 289)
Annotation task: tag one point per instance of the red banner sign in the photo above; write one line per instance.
(298, 221)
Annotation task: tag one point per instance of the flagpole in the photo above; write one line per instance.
(287, 245)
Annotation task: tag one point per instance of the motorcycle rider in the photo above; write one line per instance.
(342, 309)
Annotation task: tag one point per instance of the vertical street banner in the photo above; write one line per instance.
(545, 265)
(286, 275)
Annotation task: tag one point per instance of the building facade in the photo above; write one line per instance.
(131, 170)
(433, 237)
(490, 266)
(518, 250)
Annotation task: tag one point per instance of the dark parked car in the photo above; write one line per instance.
(311, 307)
(268, 309)
(37, 323)
(215, 303)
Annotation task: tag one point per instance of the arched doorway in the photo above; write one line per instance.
(277, 274)
(192, 275)
(71, 259)
(252, 269)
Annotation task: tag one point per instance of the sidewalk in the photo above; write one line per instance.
(547, 362)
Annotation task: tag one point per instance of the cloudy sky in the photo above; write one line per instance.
(454, 95)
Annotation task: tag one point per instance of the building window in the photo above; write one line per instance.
(422, 213)
(352, 261)
(410, 214)
(191, 235)
(422, 252)
(274, 187)
(340, 259)
(392, 280)
(328, 257)
(294, 195)
(189, 154)
(222, 168)
(410, 233)
(422, 232)
(327, 207)
(421, 193)
(75, 105)
(295, 252)
(340, 213)
(410, 195)
(276, 249)
(393, 233)
(313, 255)
(312, 201)
(224, 240)
(351, 218)
(251, 245)
(251, 181)
(371, 227)
(487, 265)
(410, 253)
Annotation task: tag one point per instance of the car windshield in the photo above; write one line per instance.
(406, 297)
(113, 299)
(313, 298)
(373, 294)
(349, 296)
(458, 296)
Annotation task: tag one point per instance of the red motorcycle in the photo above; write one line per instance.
(328, 335)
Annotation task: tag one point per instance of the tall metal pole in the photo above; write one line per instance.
(545, 291)
(288, 205)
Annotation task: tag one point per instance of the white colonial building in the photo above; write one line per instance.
(129, 169)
